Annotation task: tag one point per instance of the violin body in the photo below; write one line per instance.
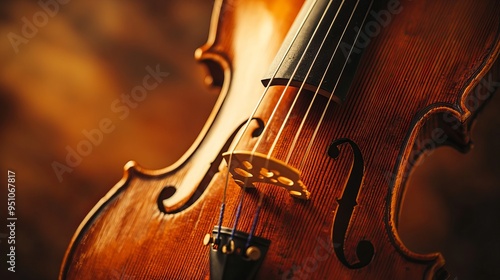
(412, 91)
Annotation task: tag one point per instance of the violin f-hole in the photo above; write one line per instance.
(343, 214)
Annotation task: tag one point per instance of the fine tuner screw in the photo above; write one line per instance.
(228, 248)
(253, 253)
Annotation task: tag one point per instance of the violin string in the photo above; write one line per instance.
(296, 97)
(255, 220)
(301, 126)
(243, 191)
(271, 117)
(247, 124)
(238, 213)
(329, 99)
(238, 210)
(282, 127)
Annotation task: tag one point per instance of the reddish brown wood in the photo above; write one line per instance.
(424, 64)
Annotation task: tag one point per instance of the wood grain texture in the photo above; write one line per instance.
(424, 63)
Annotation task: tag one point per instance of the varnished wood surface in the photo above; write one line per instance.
(450, 206)
(434, 79)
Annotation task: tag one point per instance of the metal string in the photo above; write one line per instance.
(245, 128)
(238, 211)
(275, 110)
(239, 208)
(329, 99)
(296, 138)
(303, 83)
(255, 220)
(290, 81)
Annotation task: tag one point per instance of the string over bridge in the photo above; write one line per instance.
(248, 168)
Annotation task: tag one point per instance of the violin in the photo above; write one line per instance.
(300, 170)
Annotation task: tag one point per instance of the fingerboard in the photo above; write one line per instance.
(319, 53)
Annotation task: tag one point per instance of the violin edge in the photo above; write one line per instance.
(461, 141)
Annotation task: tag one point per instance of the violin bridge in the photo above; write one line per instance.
(248, 168)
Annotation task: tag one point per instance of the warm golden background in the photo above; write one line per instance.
(65, 78)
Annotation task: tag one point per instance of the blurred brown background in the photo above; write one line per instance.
(65, 78)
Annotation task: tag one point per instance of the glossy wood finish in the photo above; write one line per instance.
(424, 64)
